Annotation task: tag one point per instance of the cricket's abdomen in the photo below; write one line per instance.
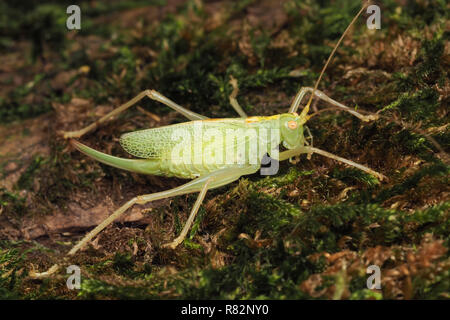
(196, 148)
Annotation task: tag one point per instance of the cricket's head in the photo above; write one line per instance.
(291, 130)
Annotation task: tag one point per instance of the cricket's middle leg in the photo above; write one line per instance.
(152, 94)
(299, 97)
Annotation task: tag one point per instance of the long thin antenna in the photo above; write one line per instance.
(306, 109)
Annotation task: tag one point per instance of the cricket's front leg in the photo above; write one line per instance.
(233, 101)
(310, 150)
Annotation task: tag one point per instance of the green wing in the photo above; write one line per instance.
(148, 144)
(157, 143)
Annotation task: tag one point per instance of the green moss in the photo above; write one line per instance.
(353, 174)
(123, 64)
(278, 214)
(416, 14)
(47, 26)
(91, 289)
(14, 257)
(123, 264)
(13, 107)
(429, 69)
(43, 22)
(9, 260)
(26, 179)
(435, 287)
(418, 106)
(11, 202)
(257, 274)
(102, 8)
(282, 179)
(438, 169)
(366, 294)
(323, 227)
(421, 101)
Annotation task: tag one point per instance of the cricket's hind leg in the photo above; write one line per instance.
(152, 94)
(201, 184)
(299, 97)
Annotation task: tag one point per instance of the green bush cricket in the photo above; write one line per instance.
(156, 149)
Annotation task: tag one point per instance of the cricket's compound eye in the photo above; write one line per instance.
(292, 125)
